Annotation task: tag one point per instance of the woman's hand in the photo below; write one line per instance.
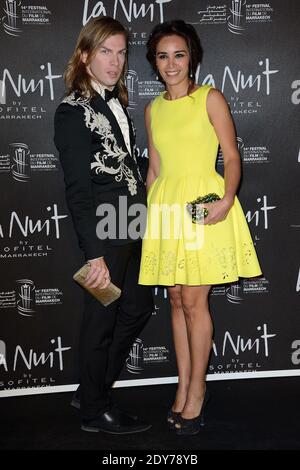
(98, 274)
(218, 210)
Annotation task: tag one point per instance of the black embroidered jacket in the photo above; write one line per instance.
(97, 166)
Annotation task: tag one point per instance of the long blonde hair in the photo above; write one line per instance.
(94, 33)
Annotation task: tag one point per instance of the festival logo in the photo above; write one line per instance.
(141, 356)
(18, 15)
(135, 361)
(26, 298)
(250, 154)
(236, 14)
(12, 18)
(236, 19)
(237, 292)
(141, 89)
(132, 84)
(233, 293)
(21, 162)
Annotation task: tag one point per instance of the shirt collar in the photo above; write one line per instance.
(99, 88)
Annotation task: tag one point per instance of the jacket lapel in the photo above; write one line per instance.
(100, 105)
(131, 131)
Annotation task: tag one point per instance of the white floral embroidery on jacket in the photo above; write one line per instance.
(98, 123)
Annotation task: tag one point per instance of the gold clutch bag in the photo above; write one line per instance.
(105, 296)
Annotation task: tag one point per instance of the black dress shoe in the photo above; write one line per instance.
(114, 422)
(75, 402)
(121, 413)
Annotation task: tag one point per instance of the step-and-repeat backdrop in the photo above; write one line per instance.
(251, 53)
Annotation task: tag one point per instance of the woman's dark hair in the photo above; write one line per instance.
(178, 28)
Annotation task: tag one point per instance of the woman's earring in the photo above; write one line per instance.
(157, 77)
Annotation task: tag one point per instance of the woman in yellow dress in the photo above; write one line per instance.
(185, 126)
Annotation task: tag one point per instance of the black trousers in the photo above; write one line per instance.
(107, 333)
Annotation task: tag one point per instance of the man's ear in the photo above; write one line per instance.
(83, 57)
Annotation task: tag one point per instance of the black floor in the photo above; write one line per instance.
(249, 414)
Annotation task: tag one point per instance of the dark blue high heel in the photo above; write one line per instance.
(189, 427)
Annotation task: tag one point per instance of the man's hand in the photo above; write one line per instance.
(98, 274)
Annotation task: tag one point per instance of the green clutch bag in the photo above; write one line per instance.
(198, 213)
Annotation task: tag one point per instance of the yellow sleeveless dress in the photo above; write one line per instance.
(176, 251)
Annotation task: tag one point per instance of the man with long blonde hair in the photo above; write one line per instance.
(95, 139)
